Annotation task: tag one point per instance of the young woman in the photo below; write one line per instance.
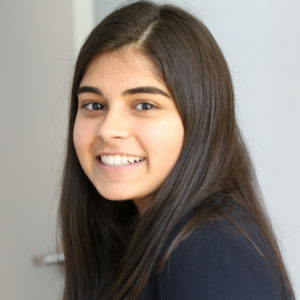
(159, 198)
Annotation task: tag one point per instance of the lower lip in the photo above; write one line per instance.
(119, 168)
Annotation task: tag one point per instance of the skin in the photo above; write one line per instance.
(141, 123)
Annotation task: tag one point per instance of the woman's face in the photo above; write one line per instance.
(128, 133)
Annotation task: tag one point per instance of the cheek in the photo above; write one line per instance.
(82, 136)
(164, 141)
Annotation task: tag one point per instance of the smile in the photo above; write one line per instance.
(119, 160)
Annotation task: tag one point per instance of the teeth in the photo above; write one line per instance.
(118, 160)
(124, 160)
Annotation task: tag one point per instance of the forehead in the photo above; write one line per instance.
(124, 66)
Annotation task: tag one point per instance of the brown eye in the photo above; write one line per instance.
(145, 106)
(94, 106)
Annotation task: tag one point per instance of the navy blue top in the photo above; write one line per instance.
(214, 263)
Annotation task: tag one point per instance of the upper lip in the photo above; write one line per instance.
(117, 153)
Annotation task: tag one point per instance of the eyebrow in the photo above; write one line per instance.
(138, 90)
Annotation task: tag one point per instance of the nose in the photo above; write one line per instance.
(113, 126)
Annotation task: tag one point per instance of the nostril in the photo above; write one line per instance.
(112, 129)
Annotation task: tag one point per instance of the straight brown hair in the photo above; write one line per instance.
(212, 177)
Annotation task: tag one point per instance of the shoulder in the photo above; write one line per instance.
(216, 262)
(217, 244)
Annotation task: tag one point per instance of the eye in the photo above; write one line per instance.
(93, 106)
(145, 106)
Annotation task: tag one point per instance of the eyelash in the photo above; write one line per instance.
(143, 104)
(92, 103)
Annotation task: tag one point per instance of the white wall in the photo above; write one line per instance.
(261, 41)
(36, 58)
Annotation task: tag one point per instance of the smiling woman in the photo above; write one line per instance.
(159, 197)
(128, 133)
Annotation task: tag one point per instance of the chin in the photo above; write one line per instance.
(114, 196)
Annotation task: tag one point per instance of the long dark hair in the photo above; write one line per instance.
(110, 250)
